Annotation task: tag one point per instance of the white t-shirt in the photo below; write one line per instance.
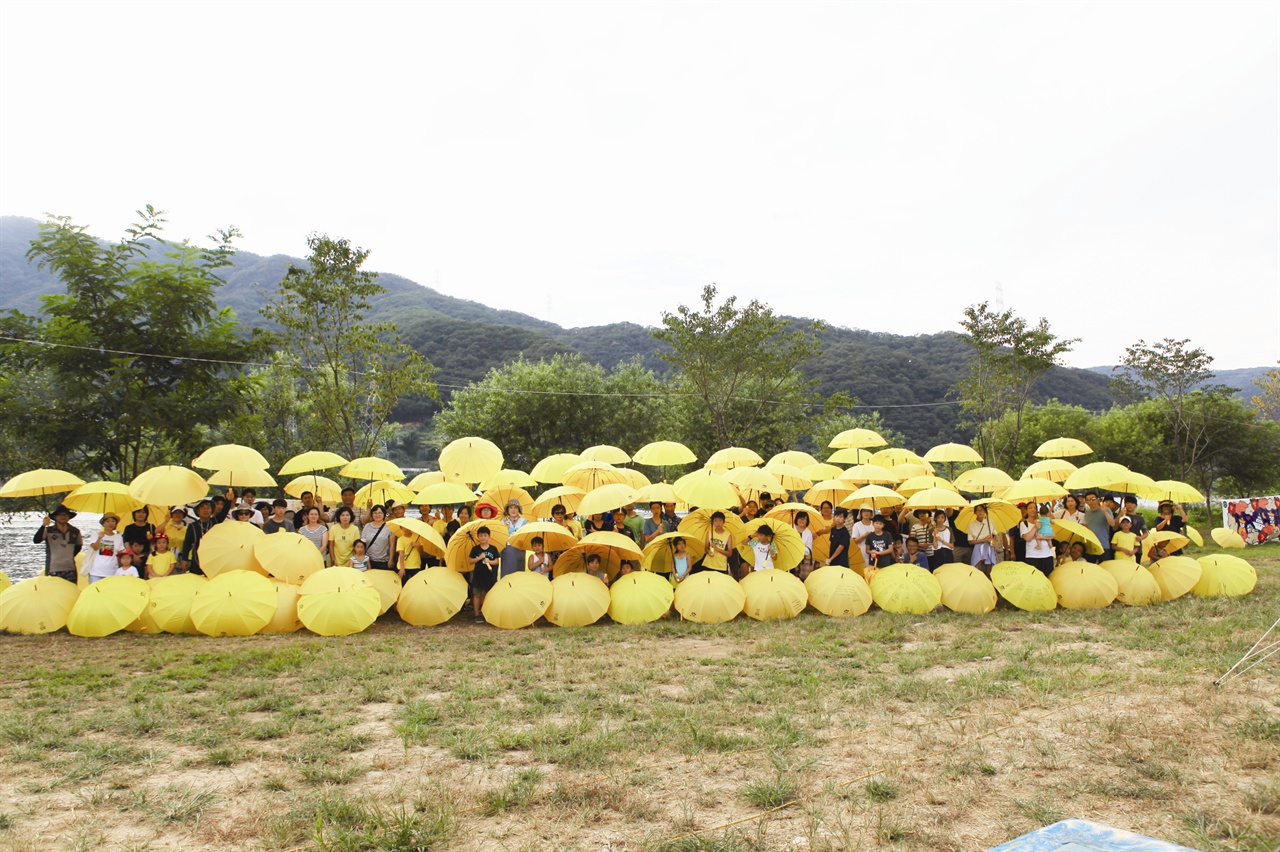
(807, 537)
(104, 562)
(861, 529)
(763, 555)
(1036, 548)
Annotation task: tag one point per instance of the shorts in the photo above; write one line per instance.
(69, 576)
(483, 579)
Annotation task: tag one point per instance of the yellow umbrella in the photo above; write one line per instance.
(1097, 475)
(605, 453)
(459, 547)
(788, 511)
(508, 477)
(850, 455)
(710, 597)
(1024, 586)
(371, 468)
(751, 482)
(338, 602)
(795, 458)
(286, 618)
(109, 605)
(1226, 538)
(325, 489)
(857, 439)
(982, 480)
(517, 600)
(875, 497)
(828, 490)
(230, 457)
(145, 623)
(40, 483)
(444, 493)
(936, 498)
(1061, 448)
(384, 490)
(1003, 515)
(422, 480)
(242, 479)
(1136, 585)
(238, 603)
(965, 589)
(311, 462)
(566, 495)
(697, 524)
(470, 460)
(791, 477)
(635, 478)
(101, 497)
(661, 492)
(607, 498)
(838, 591)
(895, 456)
(432, 597)
(389, 586)
(905, 589)
(171, 597)
(706, 489)
(228, 546)
(168, 485)
(909, 469)
(870, 474)
(1224, 574)
(1032, 491)
(916, 484)
(664, 454)
(553, 468)
(639, 597)
(287, 556)
(554, 537)
(1081, 585)
(590, 475)
(1071, 532)
(1173, 490)
(731, 457)
(953, 454)
(819, 471)
(37, 605)
(423, 534)
(5, 582)
(1176, 541)
(1193, 534)
(611, 547)
(1175, 575)
(659, 554)
(788, 542)
(1055, 470)
(773, 595)
(577, 600)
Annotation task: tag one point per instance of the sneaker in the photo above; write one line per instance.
(479, 619)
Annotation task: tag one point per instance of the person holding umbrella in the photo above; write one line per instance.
(513, 558)
(62, 542)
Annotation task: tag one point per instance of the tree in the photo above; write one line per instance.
(350, 373)
(741, 368)
(1268, 402)
(115, 372)
(1009, 357)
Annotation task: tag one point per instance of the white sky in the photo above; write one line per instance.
(1112, 165)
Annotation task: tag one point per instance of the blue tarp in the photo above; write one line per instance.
(1080, 835)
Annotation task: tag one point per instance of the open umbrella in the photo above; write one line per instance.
(697, 524)
(706, 489)
(909, 469)
(1172, 490)
(905, 589)
(242, 479)
(553, 468)
(965, 589)
(1069, 531)
(325, 489)
(1193, 534)
(1136, 585)
(1003, 515)
(37, 605)
(1097, 475)
(936, 498)
(590, 475)
(850, 455)
(1055, 470)
(916, 484)
(1224, 537)
(787, 512)
(731, 457)
(838, 591)
(821, 471)
(444, 493)
(870, 474)
(795, 458)
(752, 482)
(1082, 585)
(107, 606)
(828, 490)
(639, 597)
(432, 597)
(371, 468)
(286, 618)
(517, 600)
(101, 497)
(606, 498)
(228, 546)
(338, 601)
(789, 544)
(1175, 541)
(40, 483)
(554, 537)
(1175, 575)
(953, 454)
(5, 582)
(894, 457)
(710, 597)
(1224, 574)
(982, 480)
(1032, 491)
(611, 547)
(230, 457)
(605, 453)
(1061, 448)
(311, 462)
(471, 460)
(423, 535)
(875, 497)
(791, 477)
(661, 492)
(508, 477)
(466, 537)
(422, 480)
(287, 556)
(171, 598)
(773, 595)
(664, 454)
(237, 603)
(857, 439)
(382, 491)
(1024, 586)
(389, 586)
(577, 600)
(565, 495)
(659, 554)
(168, 485)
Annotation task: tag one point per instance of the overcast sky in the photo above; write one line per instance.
(1113, 166)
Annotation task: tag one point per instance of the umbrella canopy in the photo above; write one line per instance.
(389, 586)
(238, 603)
(1062, 448)
(1081, 585)
(870, 474)
(936, 498)
(635, 478)
(607, 498)
(1227, 538)
(171, 598)
(1193, 534)
(338, 602)
(423, 535)
(5, 582)
(466, 537)
(983, 480)
(311, 462)
(432, 596)
(788, 542)
(554, 537)
(953, 454)
(710, 597)
(731, 457)
(37, 605)
(509, 477)
(566, 495)
(895, 456)
(1173, 490)
(611, 547)
(773, 595)
(820, 471)
(1136, 585)
(1071, 532)
(828, 490)
(664, 454)
(916, 484)
(697, 524)
(470, 460)
(590, 475)
(788, 511)
(381, 491)
(286, 618)
(517, 600)
(422, 480)
(1032, 491)
(168, 485)
(1224, 574)
(107, 606)
(605, 453)
(371, 468)
(791, 477)
(1003, 515)
(230, 457)
(553, 468)
(288, 556)
(850, 455)
(102, 497)
(795, 458)
(838, 591)
(40, 483)
(444, 493)
(659, 554)
(874, 497)
(905, 589)
(577, 600)
(1024, 586)
(1175, 575)
(639, 597)
(909, 469)
(228, 546)
(1175, 541)
(662, 492)
(751, 482)
(242, 479)
(706, 489)
(857, 439)
(325, 489)
(1098, 475)
(1055, 470)
(965, 589)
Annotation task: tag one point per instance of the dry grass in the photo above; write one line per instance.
(938, 732)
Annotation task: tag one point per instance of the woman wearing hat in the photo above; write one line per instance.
(106, 546)
(512, 557)
(61, 543)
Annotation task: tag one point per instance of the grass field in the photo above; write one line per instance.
(938, 732)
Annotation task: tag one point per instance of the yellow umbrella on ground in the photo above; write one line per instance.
(1024, 586)
(697, 524)
(442, 493)
(590, 475)
(1224, 574)
(605, 453)
(287, 556)
(953, 454)
(102, 497)
(508, 477)
(471, 460)
(1224, 537)
(1003, 515)
(1069, 531)
(382, 491)
(230, 457)
(639, 597)
(606, 498)
(432, 597)
(773, 595)
(168, 485)
(1032, 491)
(850, 455)
(710, 597)
(916, 484)
(37, 605)
(423, 534)
(577, 600)
(706, 489)
(323, 487)
(905, 589)
(820, 471)
(40, 483)
(1193, 534)
(870, 474)
(659, 554)
(731, 457)
(517, 600)
(466, 537)
(838, 591)
(611, 547)
(1136, 585)
(228, 546)
(107, 606)
(895, 456)
(1175, 541)
(1061, 448)
(422, 480)
(664, 454)
(371, 468)
(286, 618)
(795, 458)
(982, 480)
(1081, 585)
(338, 602)
(965, 589)
(554, 537)
(788, 512)
(1175, 575)
(789, 544)
(553, 468)
(828, 490)
(791, 477)
(171, 598)
(1055, 470)
(238, 603)
(242, 479)
(875, 497)
(311, 462)
(936, 498)
(389, 586)
(1172, 490)
(5, 582)
(1098, 475)
(857, 439)
(565, 495)
(661, 492)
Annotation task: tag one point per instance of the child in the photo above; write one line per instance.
(484, 559)
(806, 536)
(719, 545)
(879, 544)
(680, 565)
(1124, 542)
(914, 556)
(359, 558)
(539, 560)
(161, 562)
(125, 567)
(764, 549)
(1046, 522)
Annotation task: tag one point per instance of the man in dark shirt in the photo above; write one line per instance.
(61, 543)
(206, 519)
(839, 539)
(277, 523)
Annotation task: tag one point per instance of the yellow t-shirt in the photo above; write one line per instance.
(176, 538)
(410, 556)
(1126, 540)
(343, 542)
(162, 563)
(715, 560)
